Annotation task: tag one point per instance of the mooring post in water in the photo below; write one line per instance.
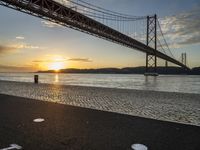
(36, 78)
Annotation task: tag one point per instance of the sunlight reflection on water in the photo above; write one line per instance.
(56, 78)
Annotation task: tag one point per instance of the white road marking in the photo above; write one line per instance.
(12, 146)
(38, 120)
(139, 147)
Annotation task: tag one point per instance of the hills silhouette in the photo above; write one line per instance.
(129, 70)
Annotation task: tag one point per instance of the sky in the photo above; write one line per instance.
(29, 43)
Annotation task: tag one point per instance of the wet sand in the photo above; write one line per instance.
(76, 128)
(167, 106)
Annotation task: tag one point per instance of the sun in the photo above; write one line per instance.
(56, 66)
(53, 63)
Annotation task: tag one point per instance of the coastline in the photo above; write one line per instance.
(165, 106)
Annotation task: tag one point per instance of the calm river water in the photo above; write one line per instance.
(171, 83)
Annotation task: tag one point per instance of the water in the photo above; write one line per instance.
(171, 83)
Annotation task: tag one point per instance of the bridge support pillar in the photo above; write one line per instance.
(151, 59)
(166, 67)
(151, 65)
(166, 63)
(184, 58)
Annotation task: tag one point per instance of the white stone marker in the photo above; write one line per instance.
(38, 120)
(12, 146)
(139, 147)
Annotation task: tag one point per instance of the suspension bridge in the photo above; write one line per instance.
(142, 33)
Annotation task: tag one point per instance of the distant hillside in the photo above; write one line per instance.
(195, 71)
(129, 70)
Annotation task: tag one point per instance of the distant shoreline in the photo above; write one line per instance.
(129, 70)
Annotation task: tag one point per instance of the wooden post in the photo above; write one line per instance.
(36, 79)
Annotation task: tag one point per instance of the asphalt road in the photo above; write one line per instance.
(74, 128)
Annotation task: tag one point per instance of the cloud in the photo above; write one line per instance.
(7, 49)
(20, 37)
(41, 61)
(182, 29)
(62, 60)
(47, 61)
(80, 59)
(27, 46)
(50, 24)
(7, 68)
(4, 49)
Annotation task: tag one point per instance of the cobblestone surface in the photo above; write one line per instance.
(167, 106)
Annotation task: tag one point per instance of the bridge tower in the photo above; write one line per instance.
(151, 39)
(184, 58)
